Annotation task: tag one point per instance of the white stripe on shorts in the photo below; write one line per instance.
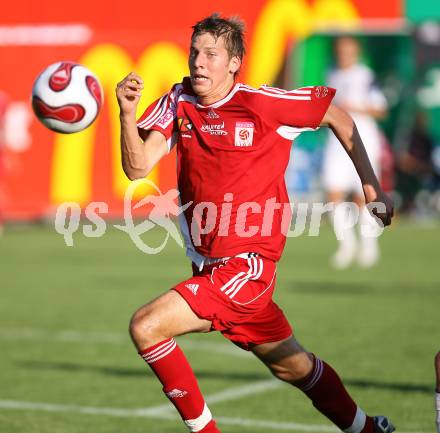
(257, 271)
(235, 284)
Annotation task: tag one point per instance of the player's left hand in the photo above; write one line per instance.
(382, 207)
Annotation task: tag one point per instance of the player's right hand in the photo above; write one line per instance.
(128, 93)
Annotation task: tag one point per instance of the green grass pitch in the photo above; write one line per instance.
(67, 365)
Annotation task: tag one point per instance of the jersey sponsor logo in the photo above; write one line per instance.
(185, 127)
(166, 119)
(214, 129)
(193, 287)
(211, 114)
(321, 91)
(176, 393)
(244, 134)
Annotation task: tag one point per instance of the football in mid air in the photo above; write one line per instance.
(66, 97)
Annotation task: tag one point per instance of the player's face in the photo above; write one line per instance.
(212, 71)
(347, 52)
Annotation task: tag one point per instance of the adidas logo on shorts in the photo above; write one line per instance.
(176, 393)
(193, 288)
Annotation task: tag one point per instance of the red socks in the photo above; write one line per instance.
(171, 367)
(324, 387)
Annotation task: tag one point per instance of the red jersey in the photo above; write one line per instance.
(231, 160)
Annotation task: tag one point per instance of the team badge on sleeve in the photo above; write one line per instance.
(244, 134)
(321, 91)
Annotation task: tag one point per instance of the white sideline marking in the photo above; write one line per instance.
(225, 395)
(243, 391)
(164, 410)
(69, 336)
(161, 414)
(145, 413)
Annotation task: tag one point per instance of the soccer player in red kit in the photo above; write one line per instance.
(233, 145)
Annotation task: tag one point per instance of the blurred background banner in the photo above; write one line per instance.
(289, 44)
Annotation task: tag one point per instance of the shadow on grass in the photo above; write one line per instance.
(358, 288)
(134, 372)
(204, 374)
(400, 387)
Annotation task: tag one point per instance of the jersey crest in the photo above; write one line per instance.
(244, 134)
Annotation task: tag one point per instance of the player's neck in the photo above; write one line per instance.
(217, 95)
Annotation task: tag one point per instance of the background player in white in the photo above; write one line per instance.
(214, 104)
(360, 97)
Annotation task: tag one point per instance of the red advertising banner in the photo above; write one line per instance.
(40, 169)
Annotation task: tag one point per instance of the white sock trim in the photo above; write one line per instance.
(199, 423)
(358, 422)
(160, 352)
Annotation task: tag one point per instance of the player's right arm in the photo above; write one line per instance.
(139, 155)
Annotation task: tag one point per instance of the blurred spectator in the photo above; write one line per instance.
(417, 159)
(416, 170)
(387, 165)
(358, 94)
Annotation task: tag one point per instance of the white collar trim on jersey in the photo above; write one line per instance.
(224, 100)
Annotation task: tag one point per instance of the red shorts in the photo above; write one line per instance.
(236, 296)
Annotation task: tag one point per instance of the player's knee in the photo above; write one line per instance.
(296, 369)
(283, 374)
(290, 374)
(144, 328)
(437, 360)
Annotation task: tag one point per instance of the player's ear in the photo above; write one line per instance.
(234, 64)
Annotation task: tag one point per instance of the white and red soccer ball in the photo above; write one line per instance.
(67, 97)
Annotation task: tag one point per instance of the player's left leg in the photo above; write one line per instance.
(289, 362)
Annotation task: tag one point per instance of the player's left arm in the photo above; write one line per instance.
(343, 126)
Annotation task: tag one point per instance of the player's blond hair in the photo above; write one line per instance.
(231, 29)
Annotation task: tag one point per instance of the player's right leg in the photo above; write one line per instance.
(152, 329)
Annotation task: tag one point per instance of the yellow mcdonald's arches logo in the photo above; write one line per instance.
(281, 20)
(161, 65)
(164, 64)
